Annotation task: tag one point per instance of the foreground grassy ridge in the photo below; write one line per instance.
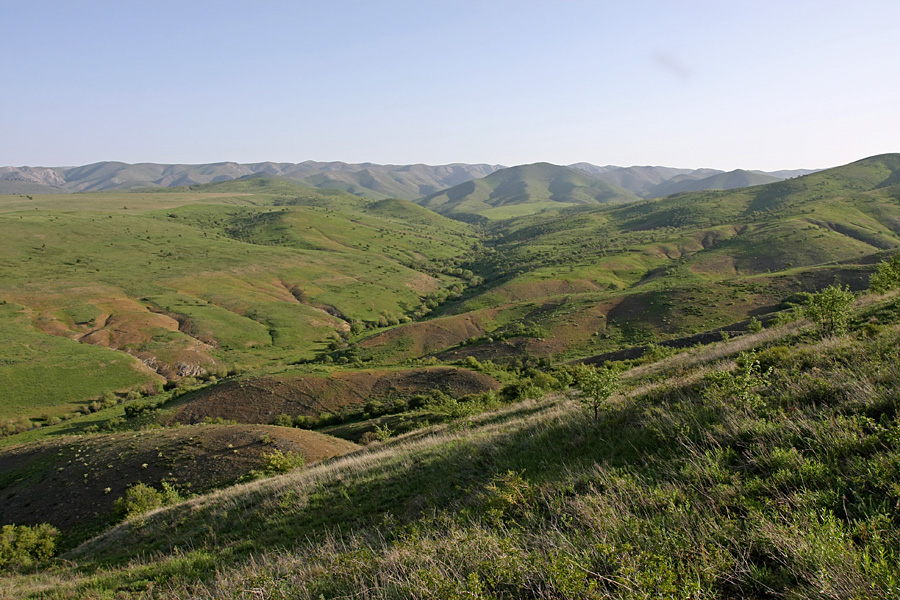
(756, 483)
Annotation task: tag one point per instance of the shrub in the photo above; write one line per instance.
(383, 433)
(471, 362)
(742, 386)
(282, 462)
(283, 420)
(508, 496)
(775, 357)
(520, 391)
(142, 498)
(655, 352)
(14, 426)
(830, 308)
(21, 546)
(545, 381)
(136, 409)
(368, 438)
(754, 326)
(887, 277)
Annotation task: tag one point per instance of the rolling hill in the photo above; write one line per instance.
(523, 190)
(111, 291)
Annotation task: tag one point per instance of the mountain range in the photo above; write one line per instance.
(409, 182)
(525, 189)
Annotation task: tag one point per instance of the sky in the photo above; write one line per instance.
(757, 85)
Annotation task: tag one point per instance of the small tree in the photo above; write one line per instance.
(887, 277)
(597, 385)
(831, 308)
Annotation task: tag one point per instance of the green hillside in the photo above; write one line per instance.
(237, 275)
(640, 180)
(523, 190)
(407, 182)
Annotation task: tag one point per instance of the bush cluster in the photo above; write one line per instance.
(142, 498)
(22, 546)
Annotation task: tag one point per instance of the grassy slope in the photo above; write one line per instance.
(573, 285)
(210, 278)
(683, 488)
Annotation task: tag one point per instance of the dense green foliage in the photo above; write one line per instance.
(597, 385)
(142, 498)
(22, 546)
(887, 277)
(830, 308)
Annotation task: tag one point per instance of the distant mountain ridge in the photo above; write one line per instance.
(364, 179)
(738, 178)
(371, 180)
(526, 189)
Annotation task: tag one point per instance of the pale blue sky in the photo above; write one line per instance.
(758, 85)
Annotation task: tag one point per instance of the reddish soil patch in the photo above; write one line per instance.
(72, 482)
(259, 400)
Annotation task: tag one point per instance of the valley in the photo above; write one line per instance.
(373, 378)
